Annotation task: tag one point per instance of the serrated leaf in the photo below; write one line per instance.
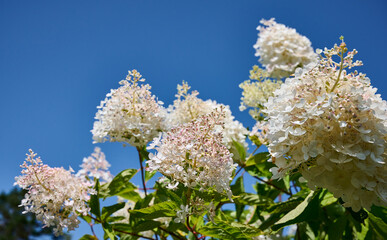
(225, 230)
(304, 211)
(109, 210)
(164, 209)
(119, 185)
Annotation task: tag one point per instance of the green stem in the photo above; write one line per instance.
(142, 170)
(341, 69)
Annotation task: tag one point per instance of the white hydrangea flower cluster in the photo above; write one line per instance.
(55, 195)
(188, 107)
(256, 93)
(281, 49)
(193, 154)
(95, 166)
(331, 126)
(129, 114)
(259, 133)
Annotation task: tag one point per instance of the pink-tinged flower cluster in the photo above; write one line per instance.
(55, 195)
(331, 126)
(193, 154)
(95, 166)
(188, 107)
(129, 114)
(259, 133)
(281, 49)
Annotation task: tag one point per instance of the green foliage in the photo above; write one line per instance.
(120, 185)
(229, 230)
(164, 209)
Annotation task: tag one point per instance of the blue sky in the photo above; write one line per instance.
(58, 59)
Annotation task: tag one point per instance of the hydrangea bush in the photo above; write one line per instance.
(324, 175)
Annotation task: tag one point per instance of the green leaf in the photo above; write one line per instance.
(237, 189)
(283, 207)
(94, 201)
(149, 175)
(120, 184)
(378, 226)
(380, 212)
(241, 150)
(107, 228)
(169, 194)
(227, 230)
(362, 234)
(86, 218)
(143, 152)
(252, 199)
(164, 209)
(258, 158)
(304, 211)
(109, 210)
(304, 232)
(88, 237)
(131, 195)
(327, 198)
(337, 228)
(146, 225)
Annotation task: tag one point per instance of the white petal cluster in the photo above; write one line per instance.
(55, 195)
(256, 93)
(188, 107)
(129, 114)
(95, 166)
(193, 154)
(259, 133)
(332, 132)
(281, 49)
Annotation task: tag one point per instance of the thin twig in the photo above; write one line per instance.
(271, 184)
(191, 229)
(142, 170)
(92, 230)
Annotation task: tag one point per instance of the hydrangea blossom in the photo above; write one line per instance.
(281, 49)
(259, 133)
(188, 107)
(331, 126)
(55, 195)
(129, 114)
(193, 154)
(95, 166)
(256, 93)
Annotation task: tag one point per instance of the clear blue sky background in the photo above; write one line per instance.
(58, 59)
